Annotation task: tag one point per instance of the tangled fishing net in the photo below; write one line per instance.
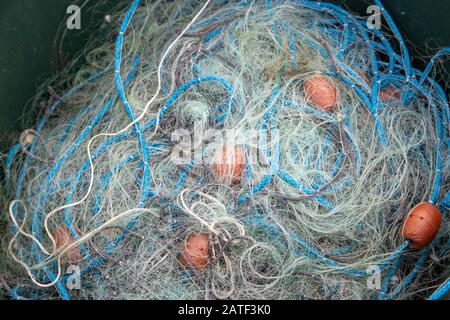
(238, 150)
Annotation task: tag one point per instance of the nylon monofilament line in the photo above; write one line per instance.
(234, 150)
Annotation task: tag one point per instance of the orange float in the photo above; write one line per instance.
(229, 164)
(388, 94)
(422, 225)
(321, 92)
(63, 238)
(385, 95)
(196, 251)
(28, 139)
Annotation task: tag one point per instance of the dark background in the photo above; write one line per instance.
(28, 29)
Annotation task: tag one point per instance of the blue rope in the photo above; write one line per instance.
(121, 93)
(439, 293)
(273, 159)
(43, 120)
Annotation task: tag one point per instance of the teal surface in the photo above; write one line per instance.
(28, 54)
(28, 29)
